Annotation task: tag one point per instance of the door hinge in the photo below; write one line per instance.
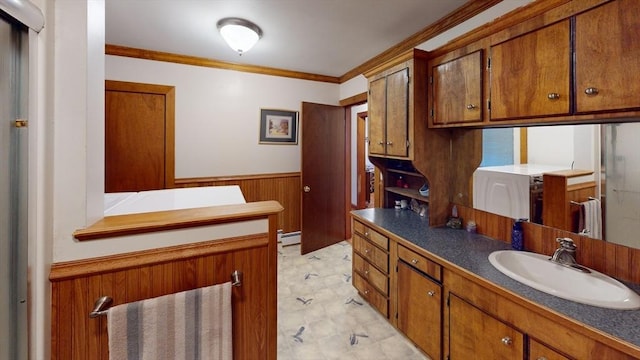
(408, 144)
(489, 63)
(396, 268)
(448, 298)
(431, 80)
(448, 357)
(396, 315)
(20, 123)
(432, 112)
(488, 104)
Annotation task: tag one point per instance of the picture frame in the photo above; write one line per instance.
(278, 127)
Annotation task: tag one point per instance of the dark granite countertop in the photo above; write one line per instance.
(471, 251)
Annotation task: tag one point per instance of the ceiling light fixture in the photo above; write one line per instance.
(240, 34)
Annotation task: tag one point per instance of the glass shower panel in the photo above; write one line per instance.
(621, 162)
(13, 191)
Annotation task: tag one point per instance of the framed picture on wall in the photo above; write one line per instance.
(278, 127)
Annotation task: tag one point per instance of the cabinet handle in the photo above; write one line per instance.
(553, 96)
(366, 273)
(471, 107)
(366, 233)
(366, 292)
(414, 261)
(431, 293)
(542, 358)
(389, 143)
(591, 91)
(380, 142)
(507, 340)
(366, 251)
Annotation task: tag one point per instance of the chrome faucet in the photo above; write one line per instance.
(565, 255)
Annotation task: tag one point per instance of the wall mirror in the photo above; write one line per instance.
(610, 150)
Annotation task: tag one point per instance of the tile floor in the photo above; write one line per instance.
(322, 317)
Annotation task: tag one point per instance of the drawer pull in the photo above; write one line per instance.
(414, 261)
(471, 107)
(542, 358)
(431, 293)
(366, 233)
(366, 292)
(553, 96)
(507, 340)
(366, 273)
(366, 251)
(591, 91)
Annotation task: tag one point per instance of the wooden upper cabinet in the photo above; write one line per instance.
(607, 52)
(389, 114)
(397, 105)
(457, 90)
(398, 113)
(377, 109)
(530, 74)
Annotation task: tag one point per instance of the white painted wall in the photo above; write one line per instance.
(218, 114)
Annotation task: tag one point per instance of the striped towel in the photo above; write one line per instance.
(189, 325)
(593, 218)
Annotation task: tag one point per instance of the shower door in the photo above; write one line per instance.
(13, 190)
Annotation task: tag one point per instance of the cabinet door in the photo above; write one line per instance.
(540, 60)
(377, 116)
(607, 54)
(539, 351)
(398, 113)
(476, 335)
(420, 309)
(457, 90)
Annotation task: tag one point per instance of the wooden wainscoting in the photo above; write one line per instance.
(615, 260)
(146, 274)
(282, 187)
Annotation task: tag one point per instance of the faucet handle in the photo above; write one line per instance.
(566, 243)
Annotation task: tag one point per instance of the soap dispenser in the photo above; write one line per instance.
(517, 235)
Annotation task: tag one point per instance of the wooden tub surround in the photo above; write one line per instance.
(138, 275)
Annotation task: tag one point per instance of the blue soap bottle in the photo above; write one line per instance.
(517, 235)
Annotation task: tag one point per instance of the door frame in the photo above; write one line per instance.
(361, 174)
(348, 103)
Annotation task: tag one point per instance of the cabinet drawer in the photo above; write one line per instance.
(374, 276)
(371, 295)
(371, 235)
(420, 262)
(372, 254)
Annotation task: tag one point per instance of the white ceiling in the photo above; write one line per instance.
(326, 37)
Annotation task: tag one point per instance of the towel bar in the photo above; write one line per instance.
(102, 305)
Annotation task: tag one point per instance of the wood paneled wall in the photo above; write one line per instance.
(141, 275)
(615, 260)
(284, 188)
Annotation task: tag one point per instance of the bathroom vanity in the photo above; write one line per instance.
(441, 291)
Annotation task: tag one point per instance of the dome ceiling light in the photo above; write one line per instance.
(240, 34)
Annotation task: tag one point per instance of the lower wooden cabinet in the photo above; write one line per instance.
(420, 309)
(370, 270)
(450, 314)
(539, 351)
(475, 335)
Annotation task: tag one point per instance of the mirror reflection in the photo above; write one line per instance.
(600, 164)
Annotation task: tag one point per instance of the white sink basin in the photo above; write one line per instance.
(540, 273)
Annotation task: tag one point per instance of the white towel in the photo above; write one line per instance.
(593, 218)
(189, 325)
